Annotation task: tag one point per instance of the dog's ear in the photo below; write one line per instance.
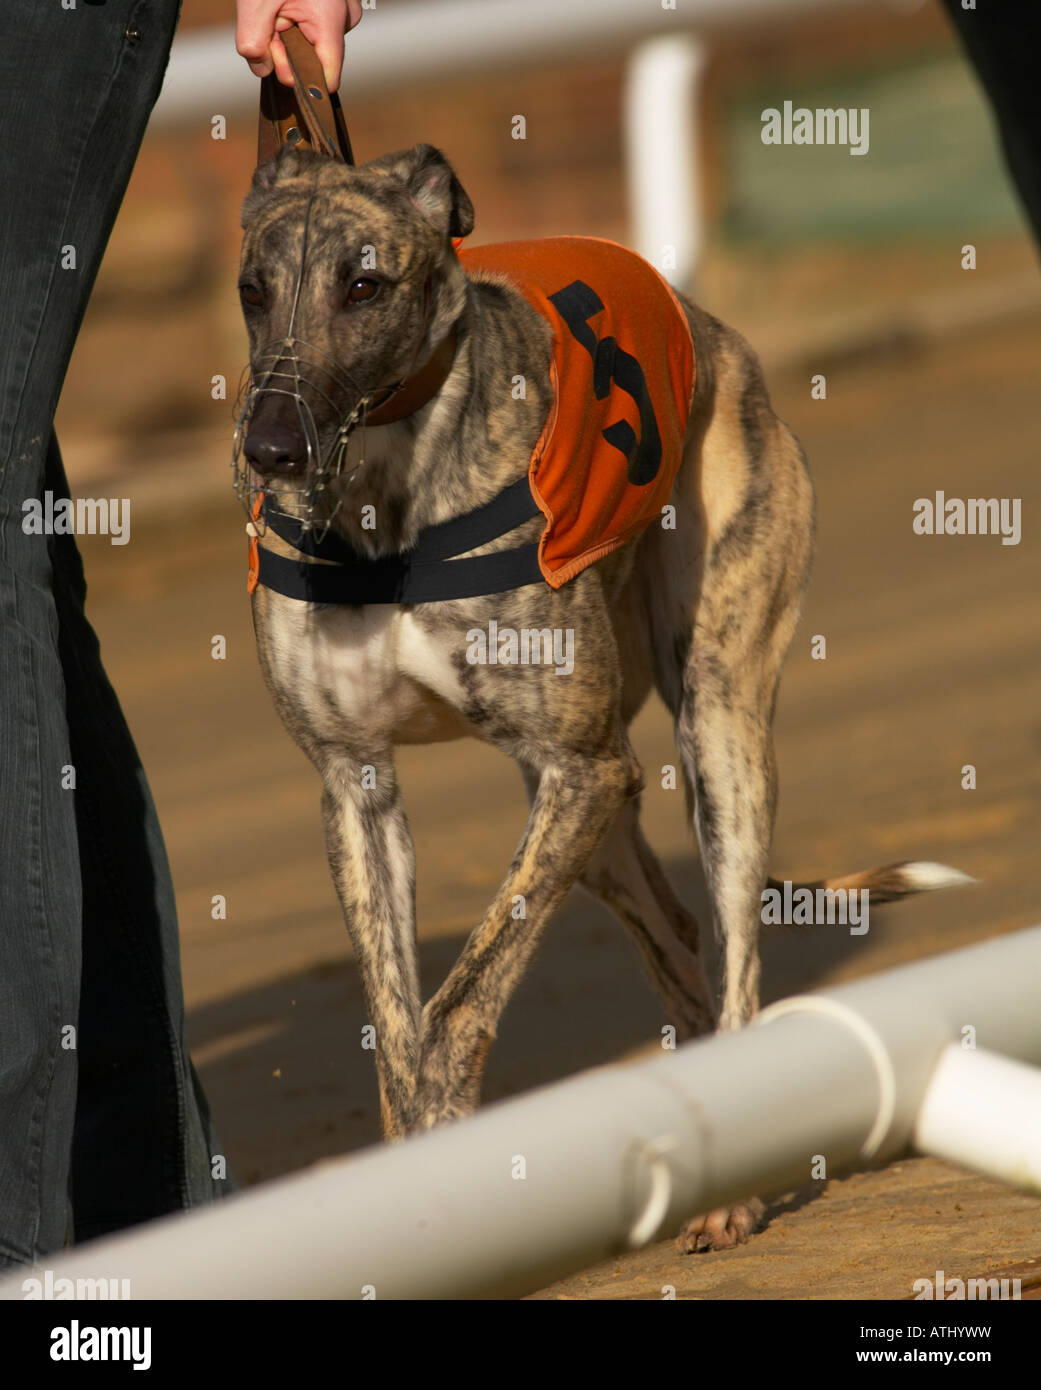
(433, 187)
(288, 163)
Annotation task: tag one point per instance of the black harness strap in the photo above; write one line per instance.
(396, 580)
(425, 574)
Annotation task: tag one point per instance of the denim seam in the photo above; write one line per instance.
(39, 913)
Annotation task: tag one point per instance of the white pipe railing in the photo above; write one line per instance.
(532, 1189)
(983, 1111)
(662, 158)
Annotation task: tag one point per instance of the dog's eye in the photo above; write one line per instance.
(249, 294)
(361, 290)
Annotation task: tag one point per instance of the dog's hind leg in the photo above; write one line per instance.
(729, 583)
(723, 594)
(625, 876)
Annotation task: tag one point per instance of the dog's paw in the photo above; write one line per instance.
(722, 1228)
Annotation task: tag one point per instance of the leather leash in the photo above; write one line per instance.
(307, 115)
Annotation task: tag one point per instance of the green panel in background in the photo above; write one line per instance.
(933, 166)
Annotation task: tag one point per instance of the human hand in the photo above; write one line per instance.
(322, 22)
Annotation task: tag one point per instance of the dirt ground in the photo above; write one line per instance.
(932, 663)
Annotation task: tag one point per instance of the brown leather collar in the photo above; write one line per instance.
(415, 391)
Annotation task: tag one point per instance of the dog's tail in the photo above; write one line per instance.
(890, 882)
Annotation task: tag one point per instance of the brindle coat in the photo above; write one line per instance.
(703, 614)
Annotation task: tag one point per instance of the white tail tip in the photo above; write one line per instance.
(923, 876)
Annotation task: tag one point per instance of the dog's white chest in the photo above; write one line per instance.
(373, 671)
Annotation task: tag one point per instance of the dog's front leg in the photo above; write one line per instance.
(373, 866)
(576, 801)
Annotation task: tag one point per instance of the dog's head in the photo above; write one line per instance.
(348, 279)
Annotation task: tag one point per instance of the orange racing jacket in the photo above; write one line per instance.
(623, 383)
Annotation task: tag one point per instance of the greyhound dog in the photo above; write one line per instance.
(351, 286)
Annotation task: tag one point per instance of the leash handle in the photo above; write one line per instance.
(306, 116)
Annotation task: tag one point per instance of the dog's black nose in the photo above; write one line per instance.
(275, 446)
